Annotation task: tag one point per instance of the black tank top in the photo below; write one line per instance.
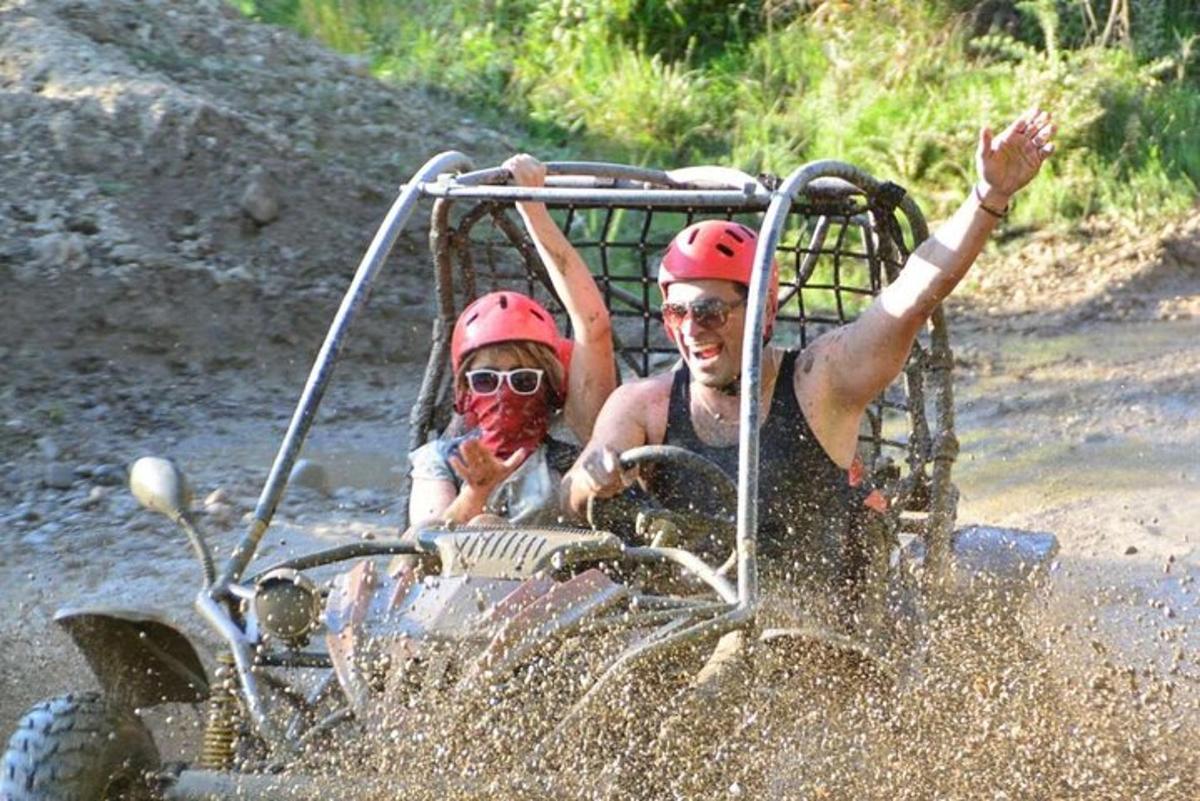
(809, 517)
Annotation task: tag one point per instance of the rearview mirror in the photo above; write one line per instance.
(160, 486)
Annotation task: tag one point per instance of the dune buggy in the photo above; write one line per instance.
(513, 639)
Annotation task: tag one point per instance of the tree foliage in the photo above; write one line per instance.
(897, 86)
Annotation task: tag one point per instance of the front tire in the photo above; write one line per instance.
(78, 747)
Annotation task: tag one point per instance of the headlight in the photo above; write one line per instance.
(287, 605)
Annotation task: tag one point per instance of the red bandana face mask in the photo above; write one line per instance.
(506, 421)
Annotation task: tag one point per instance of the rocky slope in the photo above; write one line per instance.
(165, 158)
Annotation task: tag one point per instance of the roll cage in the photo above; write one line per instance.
(840, 236)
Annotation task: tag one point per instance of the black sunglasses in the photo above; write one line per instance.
(707, 313)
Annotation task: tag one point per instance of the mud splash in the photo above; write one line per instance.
(1091, 435)
(983, 711)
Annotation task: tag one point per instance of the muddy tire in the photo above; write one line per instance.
(78, 747)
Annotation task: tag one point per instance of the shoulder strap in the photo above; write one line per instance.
(679, 429)
(784, 399)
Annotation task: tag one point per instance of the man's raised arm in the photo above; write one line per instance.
(861, 359)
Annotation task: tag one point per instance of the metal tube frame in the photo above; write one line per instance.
(213, 602)
(581, 184)
(322, 369)
(795, 185)
(690, 563)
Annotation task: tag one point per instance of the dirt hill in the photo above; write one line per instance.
(163, 159)
(182, 181)
(1107, 269)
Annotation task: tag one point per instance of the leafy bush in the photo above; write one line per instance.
(899, 87)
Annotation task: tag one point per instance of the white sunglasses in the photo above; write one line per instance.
(522, 380)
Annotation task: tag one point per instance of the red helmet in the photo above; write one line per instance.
(718, 249)
(506, 317)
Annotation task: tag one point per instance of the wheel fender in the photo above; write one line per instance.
(993, 563)
(139, 658)
(1005, 559)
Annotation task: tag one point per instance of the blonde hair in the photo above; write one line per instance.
(524, 354)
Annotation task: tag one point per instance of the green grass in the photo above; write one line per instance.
(898, 87)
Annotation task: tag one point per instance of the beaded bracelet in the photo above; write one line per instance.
(999, 215)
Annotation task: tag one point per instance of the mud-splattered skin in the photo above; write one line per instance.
(806, 363)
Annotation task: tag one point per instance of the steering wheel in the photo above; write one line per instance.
(711, 535)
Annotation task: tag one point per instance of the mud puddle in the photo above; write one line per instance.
(1090, 435)
(1095, 436)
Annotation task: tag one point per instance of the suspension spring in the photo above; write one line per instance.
(220, 730)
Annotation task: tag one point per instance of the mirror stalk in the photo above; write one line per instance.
(184, 521)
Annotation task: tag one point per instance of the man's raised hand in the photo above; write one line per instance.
(1009, 160)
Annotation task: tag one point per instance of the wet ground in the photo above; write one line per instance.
(1095, 435)
(1091, 434)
